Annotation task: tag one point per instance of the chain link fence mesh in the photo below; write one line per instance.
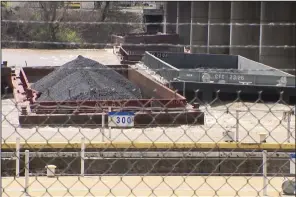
(244, 147)
(224, 156)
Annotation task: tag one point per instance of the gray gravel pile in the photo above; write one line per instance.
(85, 79)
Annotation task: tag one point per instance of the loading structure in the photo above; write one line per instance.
(204, 75)
(161, 105)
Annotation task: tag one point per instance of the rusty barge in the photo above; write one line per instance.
(163, 107)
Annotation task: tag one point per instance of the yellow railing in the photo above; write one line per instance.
(154, 145)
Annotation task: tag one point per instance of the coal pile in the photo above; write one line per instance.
(85, 79)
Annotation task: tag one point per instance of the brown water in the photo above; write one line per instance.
(216, 119)
(19, 57)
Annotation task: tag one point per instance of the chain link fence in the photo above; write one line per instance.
(242, 148)
(149, 138)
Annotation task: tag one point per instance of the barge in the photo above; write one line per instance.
(161, 106)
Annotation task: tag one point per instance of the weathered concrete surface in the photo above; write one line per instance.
(143, 186)
(184, 30)
(200, 32)
(219, 12)
(278, 12)
(245, 12)
(171, 17)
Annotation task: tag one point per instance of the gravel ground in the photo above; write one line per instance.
(217, 121)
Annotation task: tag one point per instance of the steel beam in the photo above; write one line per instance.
(178, 17)
(191, 26)
(165, 15)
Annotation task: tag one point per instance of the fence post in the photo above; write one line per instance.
(289, 186)
(237, 125)
(184, 89)
(289, 126)
(264, 166)
(17, 160)
(109, 109)
(103, 125)
(27, 171)
(82, 154)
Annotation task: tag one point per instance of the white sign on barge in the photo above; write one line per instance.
(121, 119)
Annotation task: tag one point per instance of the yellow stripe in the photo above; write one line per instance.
(151, 145)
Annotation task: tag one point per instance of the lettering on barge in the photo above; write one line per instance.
(160, 55)
(236, 77)
(217, 77)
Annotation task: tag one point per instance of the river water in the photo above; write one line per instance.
(211, 131)
(19, 57)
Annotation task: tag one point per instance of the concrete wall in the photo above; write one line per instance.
(256, 35)
(200, 33)
(278, 35)
(151, 166)
(184, 30)
(219, 12)
(171, 8)
(245, 12)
